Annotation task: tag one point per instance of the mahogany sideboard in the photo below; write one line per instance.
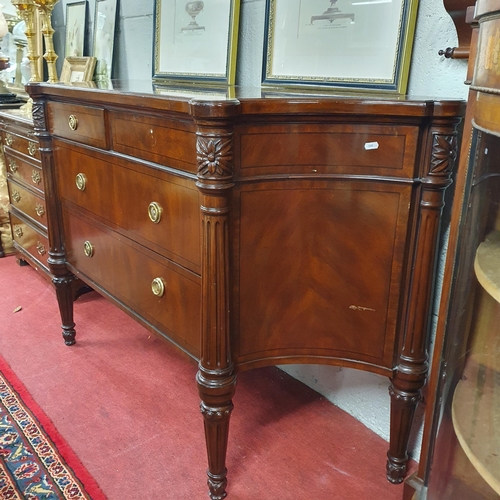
(253, 231)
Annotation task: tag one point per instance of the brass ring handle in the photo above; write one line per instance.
(16, 196)
(32, 148)
(13, 166)
(88, 249)
(81, 181)
(158, 287)
(36, 177)
(154, 212)
(73, 122)
(9, 139)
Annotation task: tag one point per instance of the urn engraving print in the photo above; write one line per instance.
(196, 41)
(362, 44)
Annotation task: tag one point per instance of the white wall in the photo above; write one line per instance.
(363, 395)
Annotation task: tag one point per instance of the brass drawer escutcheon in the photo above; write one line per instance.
(18, 231)
(73, 122)
(39, 209)
(88, 249)
(13, 166)
(32, 148)
(9, 139)
(154, 212)
(36, 177)
(40, 248)
(16, 196)
(158, 287)
(81, 181)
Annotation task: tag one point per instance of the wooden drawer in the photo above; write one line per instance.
(27, 202)
(165, 141)
(23, 171)
(15, 141)
(30, 240)
(121, 192)
(381, 150)
(127, 271)
(87, 125)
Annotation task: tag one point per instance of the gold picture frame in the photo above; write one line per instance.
(362, 45)
(196, 41)
(78, 69)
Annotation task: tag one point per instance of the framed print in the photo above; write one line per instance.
(356, 44)
(196, 41)
(76, 26)
(78, 69)
(104, 38)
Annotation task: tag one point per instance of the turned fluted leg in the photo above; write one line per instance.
(64, 293)
(411, 371)
(216, 378)
(404, 400)
(216, 407)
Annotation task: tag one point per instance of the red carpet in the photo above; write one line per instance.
(126, 403)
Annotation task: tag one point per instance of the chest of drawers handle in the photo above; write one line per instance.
(88, 249)
(36, 177)
(81, 181)
(9, 139)
(154, 212)
(18, 231)
(39, 209)
(13, 166)
(73, 122)
(158, 287)
(32, 148)
(16, 196)
(40, 248)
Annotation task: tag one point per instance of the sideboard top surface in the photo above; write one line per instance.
(232, 101)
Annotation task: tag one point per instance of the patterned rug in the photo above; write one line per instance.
(35, 461)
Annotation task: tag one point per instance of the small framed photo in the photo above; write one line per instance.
(104, 38)
(353, 44)
(196, 41)
(78, 69)
(76, 27)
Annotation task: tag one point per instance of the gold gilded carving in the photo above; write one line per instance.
(9, 139)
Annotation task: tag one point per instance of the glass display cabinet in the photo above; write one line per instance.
(461, 446)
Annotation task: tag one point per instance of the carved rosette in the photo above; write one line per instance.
(444, 155)
(215, 157)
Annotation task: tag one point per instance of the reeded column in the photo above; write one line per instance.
(45, 8)
(62, 277)
(411, 373)
(26, 10)
(216, 379)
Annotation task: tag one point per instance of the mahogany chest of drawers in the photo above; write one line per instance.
(254, 231)
(25, 180)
